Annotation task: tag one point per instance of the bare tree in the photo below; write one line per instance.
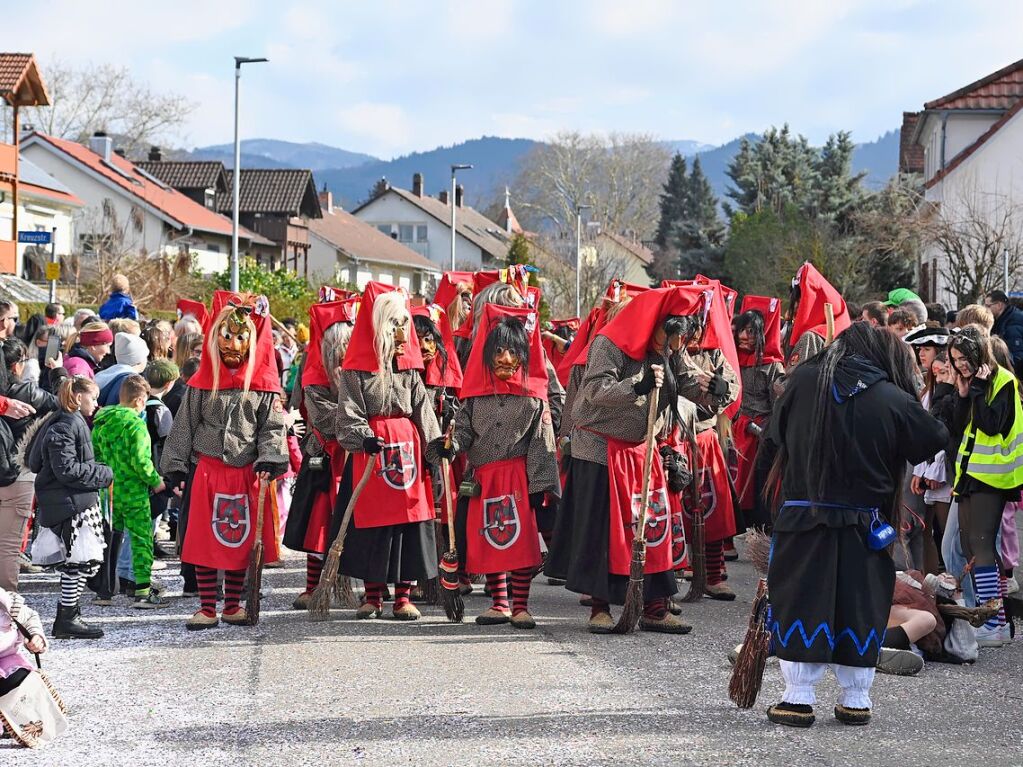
(600, 264)
(104, 97)
(974, 234)
(619, 175)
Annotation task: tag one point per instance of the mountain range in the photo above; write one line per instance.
(351, 175)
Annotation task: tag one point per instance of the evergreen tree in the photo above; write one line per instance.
(674, 199)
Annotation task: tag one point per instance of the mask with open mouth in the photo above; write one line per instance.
(400, 330)
(233, 339)
(506, 363)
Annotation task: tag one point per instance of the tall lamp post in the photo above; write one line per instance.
(454, 170)
(236, 175)
(579, 254)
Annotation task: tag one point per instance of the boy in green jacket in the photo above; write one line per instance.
(121, 441)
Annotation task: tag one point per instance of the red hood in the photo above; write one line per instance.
(452, 375)
(266, 377)
(361, 355)
(479, 380)
(321, 317)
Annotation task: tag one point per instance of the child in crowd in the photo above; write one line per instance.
(160, 374)
(122, 442)
(119, 304)
(14, 666)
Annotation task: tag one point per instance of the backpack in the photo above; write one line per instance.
(110, 393)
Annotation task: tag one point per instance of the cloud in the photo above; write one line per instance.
(382, 126)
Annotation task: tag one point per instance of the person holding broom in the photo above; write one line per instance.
(630, 356)
(385, 418)
(227, 443)
(323, 459)
(845, 428)
(505, 428)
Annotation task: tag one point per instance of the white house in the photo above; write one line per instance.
(423, 224)
(968, 146)
(148, 215)
(349, 250)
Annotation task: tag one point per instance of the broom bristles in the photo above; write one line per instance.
(344, 592)
(633, 608)
(698, 586)
(748, 674)
(319, 602)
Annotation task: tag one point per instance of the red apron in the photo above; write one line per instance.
(746, 446)
(678, 533)
(625, 471)
(715, 491)
(396, 493)
(317, 533)
(222, 505)
(501, 533)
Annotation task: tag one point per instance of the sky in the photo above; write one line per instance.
(388, 77)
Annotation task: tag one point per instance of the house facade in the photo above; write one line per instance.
(346, 249)
(968, 147)
(423, 224)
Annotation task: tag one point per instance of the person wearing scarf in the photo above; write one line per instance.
(505, 428)
(758, 343)
(592, 542)
(228, 438)
(845, 428)
(385, 417)
(330, 328)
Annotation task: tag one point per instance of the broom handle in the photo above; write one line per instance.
(648, 460)
(339, 541)
(445, 469)
(260, 507)
(829, 320)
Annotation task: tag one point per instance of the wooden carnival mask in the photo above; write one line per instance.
(233, 339)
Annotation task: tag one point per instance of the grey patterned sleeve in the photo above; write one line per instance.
(542, 458)
(177, 450)
(271, 433)
(555, 395)
(462, 435)
(601, 384)
(423, 415)
(352, 425)
(321, 407)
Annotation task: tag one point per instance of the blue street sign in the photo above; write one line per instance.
(35, 238)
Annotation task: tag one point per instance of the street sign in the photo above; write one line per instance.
(52, 270)
(35, 238)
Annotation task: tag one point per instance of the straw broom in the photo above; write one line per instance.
(633, 608)
(697, 555)
(319, 602)
(450, 595)
(748, 674)
(254, 575)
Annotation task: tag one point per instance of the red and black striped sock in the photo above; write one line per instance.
(313, 568)
(655, 609)
(497, 584)
(234, 582)
(520, 582)
(402, 592)
(599, 606)
(375, 593)
(714, 555)
(206, 578)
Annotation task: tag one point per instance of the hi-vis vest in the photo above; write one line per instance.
(995, 460)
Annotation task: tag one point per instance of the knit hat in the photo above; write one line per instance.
(96, 337)
(899, 296)
(130, 350)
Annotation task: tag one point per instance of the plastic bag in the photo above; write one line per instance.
(961, 640)
(48, 548)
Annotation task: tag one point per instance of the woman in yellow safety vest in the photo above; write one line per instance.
(988, 424)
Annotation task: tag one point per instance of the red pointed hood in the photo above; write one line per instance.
(479, 379)
(617, 289)
(730, 295)
(717, 334)
(814, 292)
(553, 354)
(361, 355)
(452, 375)
(513, 275)
(321, 317)
(328, 294)
(771, 309)
(265, 376)
(447, 288)
(578, 352)
(634, 326)
(197, 309)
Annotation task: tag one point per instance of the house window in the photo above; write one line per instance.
(405, 232)
(421, 233)
(362, 277)
(384, 229)
(387, 278)
(212, 248)
(405, 282)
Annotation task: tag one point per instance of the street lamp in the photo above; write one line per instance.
(578, 253)
(454, 170)
(236, 185)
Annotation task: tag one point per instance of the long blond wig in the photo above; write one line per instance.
(332, 349)
(214, 350)
(386, 308)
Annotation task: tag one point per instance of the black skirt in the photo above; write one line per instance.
(308, 485)
(388, 554)
(579, 553)
(830, 593)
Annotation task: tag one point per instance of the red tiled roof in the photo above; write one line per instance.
(51, 194)
(20, 80)
(171, 204)
(999, 90)
(911, 155)
(365, 242)
(972, 148)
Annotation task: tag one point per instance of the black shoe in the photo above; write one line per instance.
(791, 714)
(852, 716)
(69, 625)
(127, 587)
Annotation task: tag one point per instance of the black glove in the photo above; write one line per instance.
(718, 386)
(440, 447)
(175, 479)
(676, 469)
(536, 500)
(645, 384)
(372, 445)
(273, 469)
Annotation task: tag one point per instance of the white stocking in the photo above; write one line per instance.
(800, 681)
(855, 682)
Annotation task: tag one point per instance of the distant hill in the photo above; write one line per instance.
(271, 153)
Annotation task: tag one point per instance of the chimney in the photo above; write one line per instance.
(155, 155)
(417, 184)
(101, 144)
(327, 200)
(459, 194)
(443, 197)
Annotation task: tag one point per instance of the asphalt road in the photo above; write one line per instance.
(294, 692)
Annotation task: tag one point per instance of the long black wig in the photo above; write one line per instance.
(509, 334)
(427, 328)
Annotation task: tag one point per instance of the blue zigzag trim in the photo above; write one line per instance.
(861, 647)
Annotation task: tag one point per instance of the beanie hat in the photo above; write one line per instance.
(130, 350)
(96, 337)
(899, 296)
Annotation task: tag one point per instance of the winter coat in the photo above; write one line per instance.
(68, 477)
(109, 382)
(1009, 327)
(30, 393)
(121, 441)
(80, 363)
(117, 306)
